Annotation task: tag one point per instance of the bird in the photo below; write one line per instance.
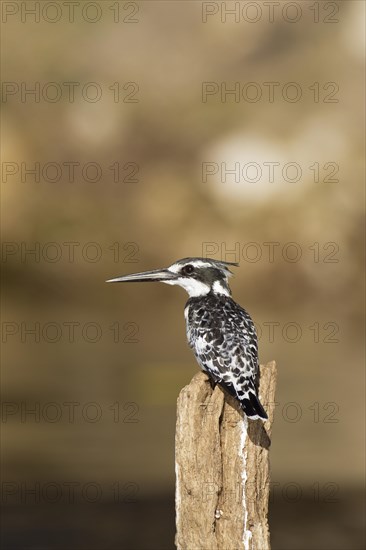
(220, 332)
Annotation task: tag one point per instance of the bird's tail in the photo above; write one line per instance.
(252, 406)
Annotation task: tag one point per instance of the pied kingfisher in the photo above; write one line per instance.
(220, 332)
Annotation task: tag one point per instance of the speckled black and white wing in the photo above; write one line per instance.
(223, 338)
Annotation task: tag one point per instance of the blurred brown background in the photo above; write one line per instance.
(132, 124)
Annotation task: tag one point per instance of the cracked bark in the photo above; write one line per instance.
(222, 468)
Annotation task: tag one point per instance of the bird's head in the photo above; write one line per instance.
(198, 276)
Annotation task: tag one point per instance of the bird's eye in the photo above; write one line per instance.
(187, 269)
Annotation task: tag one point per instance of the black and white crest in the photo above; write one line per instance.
(220, 332)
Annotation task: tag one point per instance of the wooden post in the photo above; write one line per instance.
(222, 468)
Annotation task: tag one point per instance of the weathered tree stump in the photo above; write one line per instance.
(222, 468)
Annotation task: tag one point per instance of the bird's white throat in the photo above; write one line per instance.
(198, 288)
(192, 286)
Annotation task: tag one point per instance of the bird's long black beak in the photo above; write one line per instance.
(157, 275)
